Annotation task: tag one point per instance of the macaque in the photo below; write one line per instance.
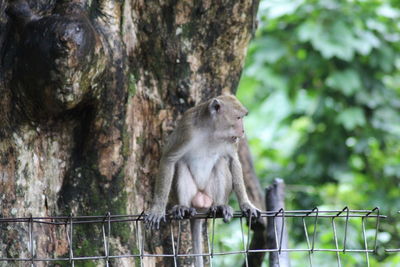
(200, 160)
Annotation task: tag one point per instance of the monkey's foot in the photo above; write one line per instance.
(249, 210)
(180, 212)
(222, 210)
(153, 219)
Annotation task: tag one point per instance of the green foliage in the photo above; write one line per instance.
(322, 82)
(228, 237)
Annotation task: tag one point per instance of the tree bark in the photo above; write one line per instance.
(89, 89)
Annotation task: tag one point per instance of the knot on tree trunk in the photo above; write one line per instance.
(58, 59)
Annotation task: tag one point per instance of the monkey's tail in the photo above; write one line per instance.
(196, 226)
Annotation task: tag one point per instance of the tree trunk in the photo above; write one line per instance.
(89, 89)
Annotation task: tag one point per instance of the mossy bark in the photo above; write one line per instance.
(86, 139)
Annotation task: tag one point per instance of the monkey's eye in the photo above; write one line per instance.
(238, 118)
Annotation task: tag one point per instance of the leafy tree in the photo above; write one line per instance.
(322, 80)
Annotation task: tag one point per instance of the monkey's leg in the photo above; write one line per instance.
(248, 209)
(220, 188)
(187, 189)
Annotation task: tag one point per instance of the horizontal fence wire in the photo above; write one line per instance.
(310, 221)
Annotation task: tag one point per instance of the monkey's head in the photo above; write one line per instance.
(227, 115)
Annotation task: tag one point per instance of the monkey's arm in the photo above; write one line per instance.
(246, 206)
(163, 184)
(175, 149)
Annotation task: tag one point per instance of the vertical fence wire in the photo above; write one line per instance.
(308, 241)
(345, 228)
(178, 238)
(106, 238)
(248, 241)
(140, 240)
(70, 239)
(282, 229)
(365, 240)
(173, 245)
(212, 236)
(31, 240)
(336, 242)
(243, 242)
(376, 209)
(277, 240)
(315, 228)
(208, 244)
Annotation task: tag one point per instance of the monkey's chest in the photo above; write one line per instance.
(201, 167)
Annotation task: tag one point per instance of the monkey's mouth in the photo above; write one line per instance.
(235, 139)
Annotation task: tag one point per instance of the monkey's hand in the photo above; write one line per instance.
(222, 210)
(249, 210)
(180, 212)
(153, 219)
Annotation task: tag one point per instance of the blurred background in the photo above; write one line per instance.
(322, 84)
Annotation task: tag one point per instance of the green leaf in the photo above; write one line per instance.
(347, 81)
(270, 50)
(388, 11)
(350, 118)
(330, 39)
(365, 42)
(276, 9)
(384, 58)
(306, 30)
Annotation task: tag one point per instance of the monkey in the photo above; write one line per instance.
(200, 159)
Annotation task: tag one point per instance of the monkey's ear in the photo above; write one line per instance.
(215, 106)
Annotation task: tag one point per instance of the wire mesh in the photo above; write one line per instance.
(392, 250)
(310, 221)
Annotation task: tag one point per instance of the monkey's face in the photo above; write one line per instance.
(228, 114)
(234, 126)
(238, 127)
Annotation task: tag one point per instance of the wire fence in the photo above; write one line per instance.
(310, 221)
